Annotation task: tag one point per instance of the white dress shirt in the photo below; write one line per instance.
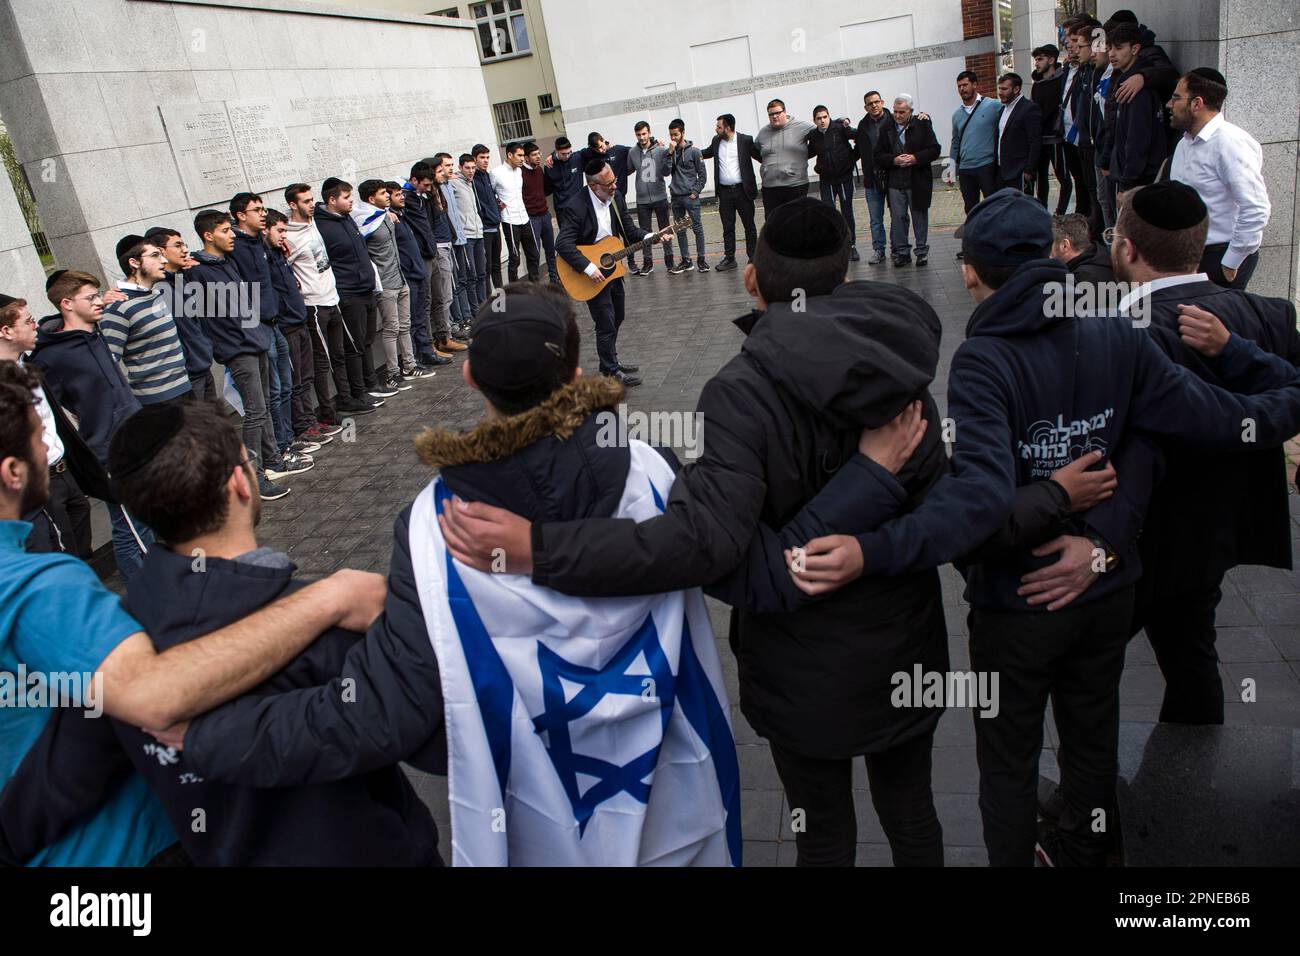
(508, 182)
(1155, 285)
(729, 162)
(604, 229)
(1005, 118)
(49, 436)
(1224, 164)
(974, 103)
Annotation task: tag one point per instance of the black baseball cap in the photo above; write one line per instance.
(518, 340)
(1006, 229)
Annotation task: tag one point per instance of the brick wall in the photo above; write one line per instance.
(976, 18)
(985, 66)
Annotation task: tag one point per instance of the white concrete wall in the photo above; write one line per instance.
(1033, 24)
(81, 91)
(681, 48)
(1254, 44)
(21, 273)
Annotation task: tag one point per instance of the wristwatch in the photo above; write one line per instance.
(1112, 558)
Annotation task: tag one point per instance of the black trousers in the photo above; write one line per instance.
(1088, 164)
(977, 184)
(492, 250)
(1212, 266)
(776, 196)
(368, 350)
(356, 355)
(64, 523)
(607, 314)
(1051, 159)
(900, 791)
(1074, 656)
(644, 210)
(325, 323)
(1181, 630)
(1016, 182)
(732, 200)
(1083, 200)
(204, 389)
(522, 236)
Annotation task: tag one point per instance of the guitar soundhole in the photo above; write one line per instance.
(607, 260)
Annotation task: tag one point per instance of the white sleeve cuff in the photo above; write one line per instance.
(592, 270)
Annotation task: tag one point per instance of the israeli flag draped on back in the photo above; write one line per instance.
(580, 731)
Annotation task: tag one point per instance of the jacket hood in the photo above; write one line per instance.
(858, 355)
(50, 331)
(323, 212)
(1019, 306)
(208, 258)
(550, 463)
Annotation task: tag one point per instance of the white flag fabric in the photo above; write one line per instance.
(580, 731)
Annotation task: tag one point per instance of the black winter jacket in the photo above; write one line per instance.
(353, 272)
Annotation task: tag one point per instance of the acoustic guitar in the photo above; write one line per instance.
(609, 255)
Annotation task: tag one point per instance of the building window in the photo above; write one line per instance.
(545, 103)
(502, 29)
(452, 12)
(513, 124)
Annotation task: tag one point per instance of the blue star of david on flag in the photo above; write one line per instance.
(562, 708)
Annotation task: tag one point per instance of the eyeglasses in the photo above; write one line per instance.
(775, 113)
(1109, 235)
(97, 297)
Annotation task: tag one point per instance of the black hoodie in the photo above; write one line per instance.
(1030, 391)
(82, 376)
(349, 258)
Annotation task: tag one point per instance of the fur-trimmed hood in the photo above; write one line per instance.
(545, 464)
(560, 416)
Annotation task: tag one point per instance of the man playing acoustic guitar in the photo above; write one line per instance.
(597, 213)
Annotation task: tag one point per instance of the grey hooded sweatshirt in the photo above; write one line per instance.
(785, 153)
(651, 168)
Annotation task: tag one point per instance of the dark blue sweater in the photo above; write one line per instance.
(488, 210)
(82, 376)
(353, 274)
(195, 341)
(408, 253)
(292, 309)
(227, 306)
(416, 215)
(251, 260)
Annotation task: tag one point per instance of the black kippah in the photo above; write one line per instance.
(1211, 74)
(594, 165)
(1169, 205)
(6, 299)
(54, 277)
(141, 436)
(125, 243)
(805, 229)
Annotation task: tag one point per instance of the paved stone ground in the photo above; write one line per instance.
(679, 331)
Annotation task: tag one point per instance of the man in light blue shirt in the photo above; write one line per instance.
(974, 131)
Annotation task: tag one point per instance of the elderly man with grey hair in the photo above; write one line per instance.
(905, 149)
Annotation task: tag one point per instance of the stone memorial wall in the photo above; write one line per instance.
(131, 113)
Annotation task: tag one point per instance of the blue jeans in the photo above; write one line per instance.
(279, 404)
(461, 310)
(843, 191)
(876, 206)
(681, 206)
(126, 549)
(544, 236)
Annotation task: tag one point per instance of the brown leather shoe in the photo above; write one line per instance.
(440, 353)
(450, 345)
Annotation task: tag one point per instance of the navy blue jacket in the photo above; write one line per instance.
(254, 264)
(488, 210)
(416, 215)
(564, 179)
(292, 309)
(1028, 393)
(82, 376)
(616, 156)
(353, 273)
(414, 268)
(440, 220)
(195, 341)
(227, 307)
(1140, 144)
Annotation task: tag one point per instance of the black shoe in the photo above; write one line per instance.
(922, 261)
(853, 254)
(381, 390)
(430, 359)
(629, 381)
(350, 406)
(678, 269)
(726, 265)
(902, 261)
(268, 491)
(646, 269)
(629, 369)
(459, 334)
(701, 265)
(688, 266)
(876, 259)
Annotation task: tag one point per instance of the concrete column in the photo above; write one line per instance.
(1033, 23)
(21, 273)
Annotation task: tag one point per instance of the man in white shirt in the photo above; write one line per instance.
(1223, 163)
(733, 172)
(63, 524)
(508, 181)
(598, 212)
